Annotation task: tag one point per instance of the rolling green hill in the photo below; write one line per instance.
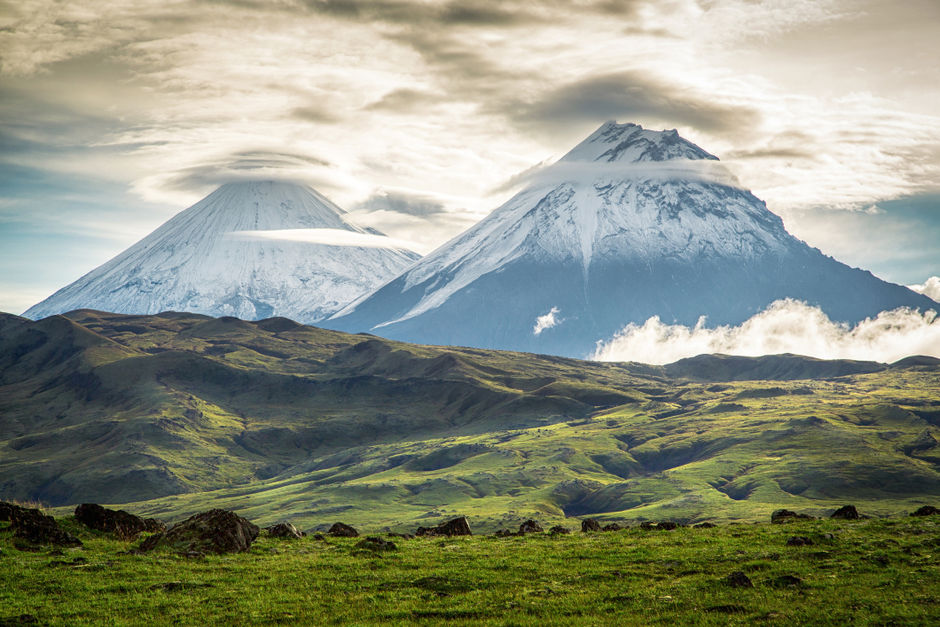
(175, 413)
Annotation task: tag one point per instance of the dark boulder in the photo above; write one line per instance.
(374, 543)
(612, 527)
(342, 530)
(667, 525)
(284, 530)
(785, 516)
(559, 530)
(124, 525)
(530, 526)
(926, 510)
(704, 525)
(504, 533)
(6, 511)
(215, 531)
(152, 525)
(846, 512)
(737, 579)
(35, 527)
(590, 524)
(799, 541)
(455, 527)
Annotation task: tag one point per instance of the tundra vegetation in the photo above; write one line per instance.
(800, 571)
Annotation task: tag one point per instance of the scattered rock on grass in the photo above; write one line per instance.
(785, 581)
(846, 512)
(559, 530)
(35, 527)
(726, 609)
(704, 525)
(22, 619)
(737, 579)
(342, 530)
(215, 531)
(374, 543)
(612, 527)
(530, 526)
(124, 525)
(173, 586)
(926, 510)
(799, 541)
(785, 515)
(455, 527)
(589, 524)
(284, 530)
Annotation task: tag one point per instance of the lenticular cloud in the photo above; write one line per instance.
(786, 326)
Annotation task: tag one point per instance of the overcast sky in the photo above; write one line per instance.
(412, 114)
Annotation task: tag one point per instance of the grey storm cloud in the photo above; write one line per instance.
(404, 100)
(410, 204)
(466, 12)
(313, 113)
(629, 95)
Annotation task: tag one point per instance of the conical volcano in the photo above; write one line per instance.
(226, 256)
(630, 224)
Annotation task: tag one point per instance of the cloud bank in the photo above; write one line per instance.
(325, 237)
(786, 326)
(929, 288)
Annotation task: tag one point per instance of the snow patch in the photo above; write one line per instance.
(547, 321)
(786, 326)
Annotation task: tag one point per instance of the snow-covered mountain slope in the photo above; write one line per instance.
(630, 224)
(201, 261)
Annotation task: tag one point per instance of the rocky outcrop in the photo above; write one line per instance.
(124, 525)
(215, 531)
(284, 530)
(784, 516)
(342, 530)
(590, 524)
(35, 527)
(846, 512)
(530, 526)
(455, 527)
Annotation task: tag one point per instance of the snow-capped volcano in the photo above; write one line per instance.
(214, 258)
(630, 224)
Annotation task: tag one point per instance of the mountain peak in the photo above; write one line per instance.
(196, 262)
(631, 143)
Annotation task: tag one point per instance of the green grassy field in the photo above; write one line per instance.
(878, 571)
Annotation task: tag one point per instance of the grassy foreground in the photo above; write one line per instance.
(876, 571)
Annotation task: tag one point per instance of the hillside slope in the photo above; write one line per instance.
(177, 412)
